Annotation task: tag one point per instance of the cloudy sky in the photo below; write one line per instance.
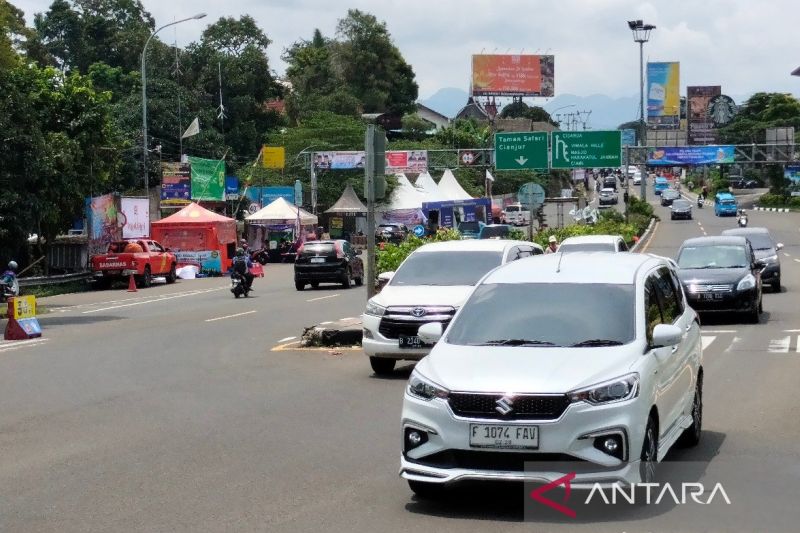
(744, 46)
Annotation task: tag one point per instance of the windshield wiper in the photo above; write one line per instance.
(514, 342)
(596, 342)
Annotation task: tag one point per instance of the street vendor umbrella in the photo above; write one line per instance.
(282, 212)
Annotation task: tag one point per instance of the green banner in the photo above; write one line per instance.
(208, 179)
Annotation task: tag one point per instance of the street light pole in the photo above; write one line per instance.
(641, 34)
(144, 98)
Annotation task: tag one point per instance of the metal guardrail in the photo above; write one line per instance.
(54, 280)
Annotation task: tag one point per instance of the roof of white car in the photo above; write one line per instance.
(592, 239)
(472, 245)
(577, 267)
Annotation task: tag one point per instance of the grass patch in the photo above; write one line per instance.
(42, 291)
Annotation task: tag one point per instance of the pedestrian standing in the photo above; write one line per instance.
(552, 245)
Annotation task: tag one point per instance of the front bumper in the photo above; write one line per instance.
(377, 345)
(735, 301)
(447, 457)
(682, 214)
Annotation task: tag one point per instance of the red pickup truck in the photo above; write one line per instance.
(142, 258)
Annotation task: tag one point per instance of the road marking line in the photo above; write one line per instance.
(16, 345)
(707, 340)
(787, 255)
(231, 316)
(798, 260)
(323, 297)
(291, 347)
(735, 341)
(287, 339)
(798, 344)
(154, 300)
(779, 345)
(719, 331)
(347, 318)
(791, 331)
(325, 323)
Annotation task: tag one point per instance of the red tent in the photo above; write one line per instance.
(199, 237)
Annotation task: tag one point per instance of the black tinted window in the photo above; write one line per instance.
(666, 293)
(446, 268)
(507, 312)
(652, 309)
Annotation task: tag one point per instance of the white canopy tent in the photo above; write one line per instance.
(426, 183)
(281, 212)
(405, 204)
(451, 189)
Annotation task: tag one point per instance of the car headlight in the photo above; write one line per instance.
(374, 309)
(747, 282)
(615, 390)
(424, 389)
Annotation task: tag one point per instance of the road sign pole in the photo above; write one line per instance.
(369, 176)
(627, 179)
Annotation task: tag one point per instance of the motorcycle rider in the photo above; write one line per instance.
(8, 281)
(742, 218)
(241, 266)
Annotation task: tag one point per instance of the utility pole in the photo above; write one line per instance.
(375, 186)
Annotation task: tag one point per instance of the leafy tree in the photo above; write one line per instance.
(415, 127)
(233, 37)
(759, 112)
(465, 133)
(520, 109)
(630, 125)
(13, 33)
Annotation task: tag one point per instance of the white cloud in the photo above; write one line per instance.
(741, 45)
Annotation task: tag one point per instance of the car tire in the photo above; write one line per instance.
(236, 294)
(146, 279)
(691, 435)
(776, 285)
(753, 316)
(760, 304)
(690, 217)
(672, 217)
(299, 285)
(649, 456)
(426, 491)
(172, 275)
(382, 366)
(348, 276)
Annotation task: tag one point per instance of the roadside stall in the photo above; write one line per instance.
(198, 237)
(275, 225)
(404, 206)
(347, 217)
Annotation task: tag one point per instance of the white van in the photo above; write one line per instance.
(517, 215)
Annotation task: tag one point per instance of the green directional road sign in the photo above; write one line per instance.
(587, 149)
(520, 151)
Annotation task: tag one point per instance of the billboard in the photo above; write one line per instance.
(792, 173)
(629, 137)
(398, 161)
(512, 75)
(663, 95)
(339, 160)
(701, 126)
(176, 184)
(136, 216)
(690, 155)
(104, 222)
(208, 179)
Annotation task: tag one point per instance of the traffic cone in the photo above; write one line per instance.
(132, 285)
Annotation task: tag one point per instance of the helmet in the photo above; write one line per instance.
(12, 265)
(240, 252)
(243, 242)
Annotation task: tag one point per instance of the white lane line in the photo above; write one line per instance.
(154, 300)
(287, 339)
(325, 323)
(779, 345)
(787, 255)
(733, 343)
(231, 316)
(347, 318)
(707, 340)
(798, 344)
(791, 331)
(16, 345)
(798, 260)
(719, 331)
(323, 298)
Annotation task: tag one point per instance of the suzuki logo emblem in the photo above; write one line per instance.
(505, 405)
(418, 312)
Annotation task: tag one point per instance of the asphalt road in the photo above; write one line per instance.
(172, 410)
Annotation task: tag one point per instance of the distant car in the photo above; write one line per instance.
(608, 196)
(470, 229)
(680, 208)
(661, 185)
(766, 249)
(610, 182)
(517, 215)
(334, 261)
(395, 233)
(751, 184)
(495, 231)
(637, 178)
(668, 196)
(721, 274)
(594, 243)
(725, 204)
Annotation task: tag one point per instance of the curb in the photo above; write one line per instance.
(645, 236)
(773, 209)
(335, 334)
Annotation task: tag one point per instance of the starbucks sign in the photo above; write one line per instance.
(722, 109)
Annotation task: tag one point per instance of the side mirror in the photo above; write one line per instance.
(430, 333)
(779, 246)
(666, 335)
(385, 277)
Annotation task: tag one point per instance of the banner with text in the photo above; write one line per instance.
(208, 179)
(663, 95)
(411, 161)
(690, 155)
(513, 75)
(136, 215)
(176, 184)
(339, 160)
(105, 222)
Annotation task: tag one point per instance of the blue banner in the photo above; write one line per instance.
(629, 137)
(267, 195)
(690, 155)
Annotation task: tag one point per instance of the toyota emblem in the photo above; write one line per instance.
(419, 312)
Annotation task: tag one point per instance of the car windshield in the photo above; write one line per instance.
(469, 226)
(681, 204)
(502, 314)
(727, 202)
(446, 268)
(713, 256)
(388, 228)
(759, 241)
(587, 247)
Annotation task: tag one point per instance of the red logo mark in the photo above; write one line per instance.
(537, 494)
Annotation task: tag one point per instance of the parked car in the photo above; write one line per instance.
(334, 261)
(470, 229)
(593, 243)
(512, 386)
(721, 274)
(516, 215)
(429, 286)
(668, 196)
(661, 184)
(608, 196)
(394, 233)
(739, 182)
(495, 231)
(725, 205)
(142, 258)
(680, 208)
(766, 250)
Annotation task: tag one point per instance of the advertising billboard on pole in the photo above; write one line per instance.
(663, 95)
(512, 75)
(136, 216)
(701, 126)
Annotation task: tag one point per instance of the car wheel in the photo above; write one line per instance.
(102, 284)
(346, 280)
(381, 365)
(776, 285)
(690, 217)
(672, 217)
(691, 435)
(649, 456)
(754, 315)
(236, 294)
(760, 304)
(172, 276)
(427, 491)
(314, 284)
(147, 278)
(299, 285)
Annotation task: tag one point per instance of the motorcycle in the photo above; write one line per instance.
(260, 256)
(8, 291)
(742, 221)
(700, 202)
(239, 285)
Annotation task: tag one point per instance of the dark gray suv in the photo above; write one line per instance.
(766, 249)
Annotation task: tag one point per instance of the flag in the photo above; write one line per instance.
(489, 176)
(193, 129)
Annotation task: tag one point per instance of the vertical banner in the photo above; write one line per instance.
(105, 222)
(176, 184)
(136, 218)
(208, 179)
(663, 95)
(701, 126)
